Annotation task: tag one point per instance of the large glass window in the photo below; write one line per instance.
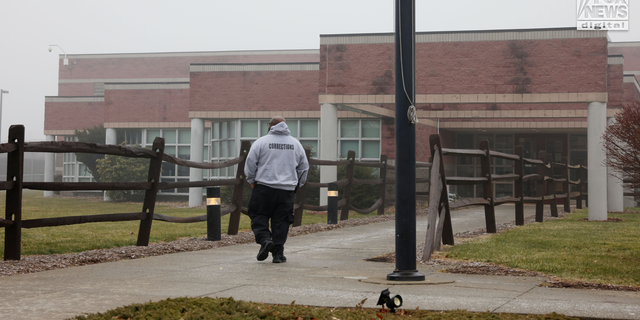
(361, 136)
(177, 142)
(69, 164)
(309, 132)
(133, 136)
(249, 128)
(72, 170)
(223, 145)
(306, 131)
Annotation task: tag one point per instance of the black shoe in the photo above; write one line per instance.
(278, 254)
(279, 259)
(265, 247)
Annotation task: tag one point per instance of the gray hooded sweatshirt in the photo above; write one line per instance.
(277, 160)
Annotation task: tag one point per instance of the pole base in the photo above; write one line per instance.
(405, 275)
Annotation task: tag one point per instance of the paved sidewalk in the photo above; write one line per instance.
(323, 269)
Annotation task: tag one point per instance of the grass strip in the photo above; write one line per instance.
(229, 308)
(105, 235)
(571, 247)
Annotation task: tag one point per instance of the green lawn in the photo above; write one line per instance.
(570, 248)
(228, 308)
(88, 236)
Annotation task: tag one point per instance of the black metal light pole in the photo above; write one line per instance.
(405, 144)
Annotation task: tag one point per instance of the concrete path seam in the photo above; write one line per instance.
(217, 292)
(513, 299)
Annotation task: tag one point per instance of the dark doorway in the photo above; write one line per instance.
(554, 144)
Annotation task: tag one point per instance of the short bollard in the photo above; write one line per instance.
(332, 204)
(213, 214)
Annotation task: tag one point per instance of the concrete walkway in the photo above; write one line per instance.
(323, 269)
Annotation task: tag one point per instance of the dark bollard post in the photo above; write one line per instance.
(213, 214)
(332, 204)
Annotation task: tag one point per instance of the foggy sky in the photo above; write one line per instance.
(27, 27)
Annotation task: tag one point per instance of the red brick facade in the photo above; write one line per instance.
(144, 67)
(553, 61)
(254, 91)
(535, 66)
(150, 105)
(73, 115)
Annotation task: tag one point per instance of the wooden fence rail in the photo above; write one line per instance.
(345, 204)
(439, 205)
(439, 202)
(15, 148)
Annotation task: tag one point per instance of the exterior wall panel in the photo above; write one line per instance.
(159, 105)
(73, 115)
(254, 91)
(515, 66)
(111, 67)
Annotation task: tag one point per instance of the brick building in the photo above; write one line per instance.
(538, 88)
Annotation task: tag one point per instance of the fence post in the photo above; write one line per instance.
(13, 204)
(447, 227)
(300, 195)
(487, 188)
(238, 191)
(344, 214)
(580, 184)
(383, 187)
(540, 186)
(518, 186)
(436, 189)
(585, 185)
(565, 185)
(438, 194)
(155, 167)
(551, 186)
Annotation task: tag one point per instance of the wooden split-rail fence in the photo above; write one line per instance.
(439, 230)
(16, 147)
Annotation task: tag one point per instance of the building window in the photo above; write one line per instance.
(177, 142)
(133, 137)
(98, 89)
(72, 170)
(306, 131)
(361, 136)
(223, 148)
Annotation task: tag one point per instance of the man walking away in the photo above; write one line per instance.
(275, 167)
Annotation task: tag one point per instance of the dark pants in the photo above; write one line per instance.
(271, 204)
